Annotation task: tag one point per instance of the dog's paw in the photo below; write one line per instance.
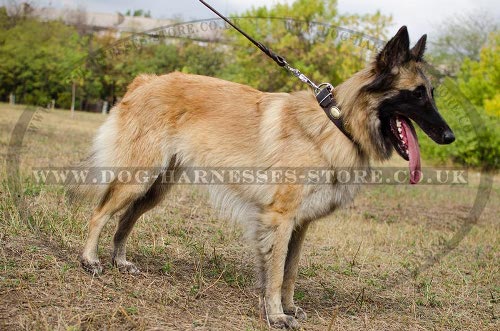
(126, 267)
(297, 312)
(92, 267)
(283, 321)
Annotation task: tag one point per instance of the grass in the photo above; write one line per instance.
(358, 269)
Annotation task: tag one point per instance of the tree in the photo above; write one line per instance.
(479, 79)
(15, 11)
(460, 37)
(35, 58)
(41, 61)
(306, 34)
(110, 70)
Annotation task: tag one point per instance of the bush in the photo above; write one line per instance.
(477, 132)
(470, 104)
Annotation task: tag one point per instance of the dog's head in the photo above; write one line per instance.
(400, 93)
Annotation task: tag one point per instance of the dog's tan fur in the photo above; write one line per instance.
(179, 120)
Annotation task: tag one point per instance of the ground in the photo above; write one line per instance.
(379, 264)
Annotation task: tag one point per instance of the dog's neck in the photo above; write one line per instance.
(360, 113)
(360, 119)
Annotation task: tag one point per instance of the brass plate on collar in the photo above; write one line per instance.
(335, 112)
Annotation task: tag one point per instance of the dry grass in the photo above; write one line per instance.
(357, 271)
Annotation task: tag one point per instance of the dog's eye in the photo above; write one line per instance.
(418, 93)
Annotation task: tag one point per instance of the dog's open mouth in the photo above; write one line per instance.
(404, 139)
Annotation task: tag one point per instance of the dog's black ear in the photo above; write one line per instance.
(417, 52)
(395, 53)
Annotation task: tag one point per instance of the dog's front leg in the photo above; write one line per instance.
(291, 269)
(272, 239)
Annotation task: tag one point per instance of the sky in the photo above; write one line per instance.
(422, 16)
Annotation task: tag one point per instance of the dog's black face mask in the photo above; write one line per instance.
(406, 104)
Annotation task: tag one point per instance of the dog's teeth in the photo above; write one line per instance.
(400, 130)
(398, 123)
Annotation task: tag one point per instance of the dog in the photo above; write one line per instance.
(176, 121)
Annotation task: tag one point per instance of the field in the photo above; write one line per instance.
(383, 263)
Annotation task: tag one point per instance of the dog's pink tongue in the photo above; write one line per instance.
(413, 151)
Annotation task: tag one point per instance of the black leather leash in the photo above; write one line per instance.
(322, 91)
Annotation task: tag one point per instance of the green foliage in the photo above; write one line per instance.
(111, 73)
(210, 63)
(477, 142)
(470, 104)
(138, 13)
(32, 57)
(317, 50)
(41, 61)
(461, 37)
(480, 80)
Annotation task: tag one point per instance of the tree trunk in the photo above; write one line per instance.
(73, 92)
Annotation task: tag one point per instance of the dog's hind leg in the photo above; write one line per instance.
(116, 198)
(128, 220)
(291, 269)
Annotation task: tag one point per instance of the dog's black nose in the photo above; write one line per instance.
(448, 137)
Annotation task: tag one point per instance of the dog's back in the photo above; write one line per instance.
(207, 122)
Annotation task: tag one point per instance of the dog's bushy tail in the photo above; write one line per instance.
(90, 181)
(104, 156)
(80, 184)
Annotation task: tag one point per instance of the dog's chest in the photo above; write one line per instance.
(321, 200)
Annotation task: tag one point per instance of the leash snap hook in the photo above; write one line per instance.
(318, 88)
